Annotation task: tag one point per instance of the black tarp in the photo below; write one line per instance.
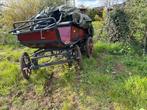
(62, 14)
(54, 16)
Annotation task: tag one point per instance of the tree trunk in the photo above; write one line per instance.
(145, 43)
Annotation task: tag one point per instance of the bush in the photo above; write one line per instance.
(118, 29)
(97, 18)
(92, 13)
(137, 9)
(6, 38)
(20, 10)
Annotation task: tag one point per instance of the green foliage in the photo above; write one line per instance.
(118, 29)
(108, 48)
(104, 13)
(20, 10)
(99, 32)
(66, 106)
(6, 38)
(132, 92)
(92, 13)
(129, 24)
(112, 76)
(97, 18)
(137, 9)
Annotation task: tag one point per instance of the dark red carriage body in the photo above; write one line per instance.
(61, 32)
(62, 35)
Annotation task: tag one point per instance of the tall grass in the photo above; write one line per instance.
(112, 78)
(9, 76)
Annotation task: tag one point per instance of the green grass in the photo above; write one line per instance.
(8, 76)
(115, 78)
(111, 79)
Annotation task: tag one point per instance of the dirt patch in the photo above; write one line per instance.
(119, 68)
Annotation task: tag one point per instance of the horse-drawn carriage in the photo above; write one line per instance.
(56, 32)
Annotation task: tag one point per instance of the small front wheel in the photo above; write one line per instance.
(25, 65)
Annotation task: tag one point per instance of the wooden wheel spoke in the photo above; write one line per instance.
(78, 56)
(89, 47)
(25, 65)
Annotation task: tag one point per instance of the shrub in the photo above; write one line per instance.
(6, 38)
(97, 18)
(118, 28)
(92, 13)
(137, 9)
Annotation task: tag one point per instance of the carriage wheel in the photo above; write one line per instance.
(25, 65)
(78, 55)
(89, 47)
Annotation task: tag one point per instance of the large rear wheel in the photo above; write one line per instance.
(25, 64)
(89, 47)
(78, 56)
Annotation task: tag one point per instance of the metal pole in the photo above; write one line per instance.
(74, 3)
(66, 2)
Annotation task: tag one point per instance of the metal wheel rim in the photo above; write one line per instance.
(78, 56)
(25, 65)
(89, 47)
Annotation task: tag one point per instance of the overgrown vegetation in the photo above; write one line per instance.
(128, 24)
(114, 79)
(118, 28)
(20, 10)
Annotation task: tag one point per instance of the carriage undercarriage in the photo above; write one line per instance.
(67, 55)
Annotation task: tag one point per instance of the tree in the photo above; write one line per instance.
(137, 10)
(17, 10)
(20, 10)
(1, 5)
(92, 13)
(118, 28)
(1, 17)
